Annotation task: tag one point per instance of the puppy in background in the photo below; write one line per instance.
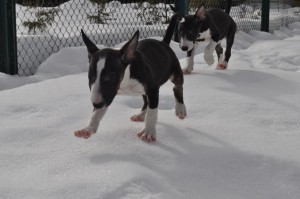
(211, 26)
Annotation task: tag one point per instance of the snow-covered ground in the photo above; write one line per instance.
(240, 139)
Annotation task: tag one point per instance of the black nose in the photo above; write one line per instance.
(99, 106)
(184, 48)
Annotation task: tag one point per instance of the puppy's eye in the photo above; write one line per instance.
(91, 75)
(110, 77)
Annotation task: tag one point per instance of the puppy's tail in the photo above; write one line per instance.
(170, 30)
(228, 7)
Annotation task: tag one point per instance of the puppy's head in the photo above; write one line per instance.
(107, 68)
(189, 27)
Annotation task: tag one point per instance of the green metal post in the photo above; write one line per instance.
(265, 15)
(8, 45)
(182, 6)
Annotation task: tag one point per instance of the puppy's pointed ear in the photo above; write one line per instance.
(91, 47)
(173, 8)
(201, 13)
(128, 50)
(176, 11)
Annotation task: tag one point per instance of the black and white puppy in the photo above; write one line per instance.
(211, 26)
(138, 68)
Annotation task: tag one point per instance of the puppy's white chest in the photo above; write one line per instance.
(130, 86)
(205, 35)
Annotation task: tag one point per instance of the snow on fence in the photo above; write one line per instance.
(46, 26)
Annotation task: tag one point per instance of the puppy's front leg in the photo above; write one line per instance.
(149, 131)
(190, 60)
(93, 124)
(208, 52)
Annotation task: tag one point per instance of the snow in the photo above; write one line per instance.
(240, 138)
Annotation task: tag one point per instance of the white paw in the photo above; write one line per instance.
(180, 110)
(85, 133)
(187, 70)
(222, 65)
(148, 134)
(139, 117)
(189, 65)
(220, 59)
(209, 58)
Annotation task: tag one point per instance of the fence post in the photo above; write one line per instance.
(265, 14)
(8, 45)
(182, 6)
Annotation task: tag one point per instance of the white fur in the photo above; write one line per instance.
(96, 97)
(96, 117)
(149, 130)
(151, 118)
(186, 43)
(190, 60)
(130, 86)
(221, 59)
(94, 121)
(205, 35)
(140, 116)
(208, 52)
(224, 63)
(180, 110)
(182, 20)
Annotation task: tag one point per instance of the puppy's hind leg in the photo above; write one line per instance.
(219, 51)
(141, 115)
(177, 79)
(223, 64)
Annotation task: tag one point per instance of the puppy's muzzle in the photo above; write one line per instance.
(184, 48)
(99, 105)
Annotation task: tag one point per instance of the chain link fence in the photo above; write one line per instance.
(46, 26)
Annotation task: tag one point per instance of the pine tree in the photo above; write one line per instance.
(43, 17)
(151, 13)
(102, 15)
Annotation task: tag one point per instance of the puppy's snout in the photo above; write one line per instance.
(184, 48)
(99, 105)
(97, 100)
